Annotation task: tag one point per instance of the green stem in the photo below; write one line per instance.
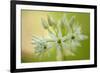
(60, 56)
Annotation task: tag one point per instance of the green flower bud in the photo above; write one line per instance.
(51, 21)
(72, 20)
(64, 20)
(45, 25)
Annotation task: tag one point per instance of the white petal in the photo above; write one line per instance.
(53, 36)
(69, 35)
(57, 46)
(49, 45)
(59, 31)
(82, 37)
(77, 29)
(65, 38)
(59, 34)
(64, 45)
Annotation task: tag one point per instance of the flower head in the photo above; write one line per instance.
(42, 45)
(64, 35)
(74, 35)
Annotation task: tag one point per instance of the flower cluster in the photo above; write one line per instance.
(64, 35)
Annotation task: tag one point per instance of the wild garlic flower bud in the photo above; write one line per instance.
(72, 20)
(45, 25)
(51, 21)
(64, 20)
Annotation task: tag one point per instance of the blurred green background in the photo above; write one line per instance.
(31, 25)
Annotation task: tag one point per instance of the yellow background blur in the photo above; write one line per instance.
(31, 25)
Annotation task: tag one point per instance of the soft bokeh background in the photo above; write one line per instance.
(31, 25)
